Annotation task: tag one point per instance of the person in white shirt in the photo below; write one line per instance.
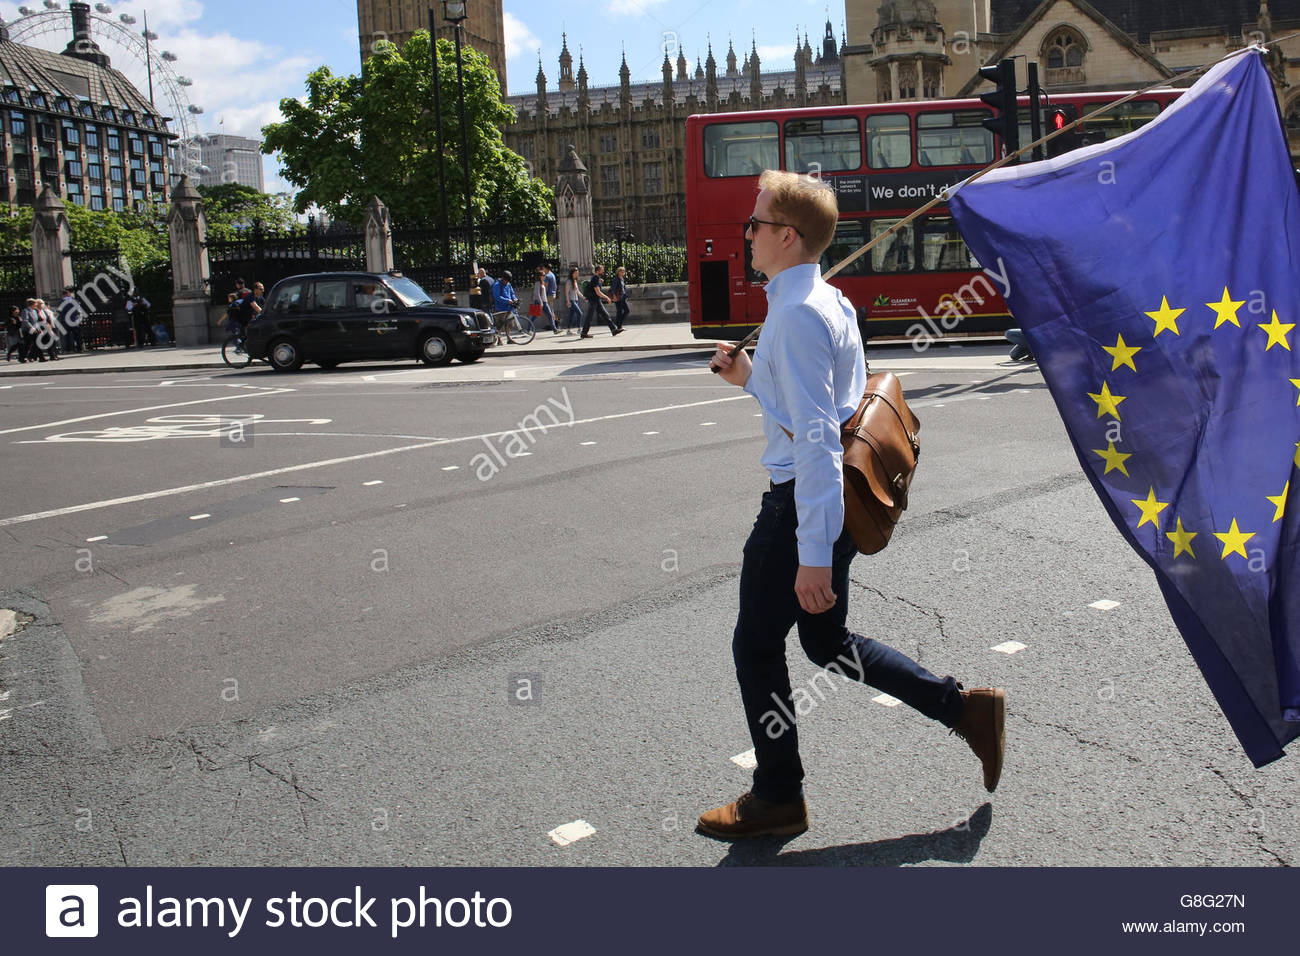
(808, 374)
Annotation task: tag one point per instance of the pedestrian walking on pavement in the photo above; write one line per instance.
(47, 336)
(596, 299)
(618, 290)
(552, 286)
(808, 375)
(70, 317)
(540, 306)
(574, 297)
(29, 332)
(14, 335)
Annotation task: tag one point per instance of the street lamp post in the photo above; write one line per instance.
(442, 156)
(454, 13)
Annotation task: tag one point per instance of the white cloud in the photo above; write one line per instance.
(635, 7)
(519, 38)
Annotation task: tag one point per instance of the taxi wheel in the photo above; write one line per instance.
(436, 349)
(284, 355)
(473, 355)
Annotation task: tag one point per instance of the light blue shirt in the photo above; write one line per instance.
(809, 376)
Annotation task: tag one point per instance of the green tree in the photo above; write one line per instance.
(231, 207)
(375, 135)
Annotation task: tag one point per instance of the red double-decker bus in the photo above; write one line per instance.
(884, 161)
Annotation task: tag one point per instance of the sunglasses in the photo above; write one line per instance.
(753, 223)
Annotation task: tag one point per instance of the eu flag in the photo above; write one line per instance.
(1157, 279)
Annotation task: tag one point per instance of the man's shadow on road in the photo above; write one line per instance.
(957, 844)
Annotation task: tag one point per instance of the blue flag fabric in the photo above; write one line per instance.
(1157, 280)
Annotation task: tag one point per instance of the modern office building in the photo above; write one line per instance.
(230, 159)
(73, 122)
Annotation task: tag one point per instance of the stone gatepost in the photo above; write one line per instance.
(379, 237)
(573, 214)
(187, 228)
(51, 247)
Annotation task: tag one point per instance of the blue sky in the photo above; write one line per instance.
(244, 56)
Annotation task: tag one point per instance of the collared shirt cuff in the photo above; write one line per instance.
(815, 555)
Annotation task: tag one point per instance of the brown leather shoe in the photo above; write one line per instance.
(983, 727)
(750, 817)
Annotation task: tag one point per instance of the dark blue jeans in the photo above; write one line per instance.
(768, 609)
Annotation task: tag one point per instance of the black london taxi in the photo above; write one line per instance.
(333, 317)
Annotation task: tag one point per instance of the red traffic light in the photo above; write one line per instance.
(1058, 120)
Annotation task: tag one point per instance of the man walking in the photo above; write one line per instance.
(596, 299)
(808, 375)
(618, 289)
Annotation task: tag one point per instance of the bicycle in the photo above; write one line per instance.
(518, 329)
(233, 352)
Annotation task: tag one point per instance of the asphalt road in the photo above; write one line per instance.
(394, 615)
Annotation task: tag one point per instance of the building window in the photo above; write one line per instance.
(97, 203)
(609, 142)
(71, 135)
(128, 117)
(654, 178)
(62, 105)
(119, 204)
(92, 137)
(609, 178)
(115, 174)
(45, 131)
(86, 109)
(17, 124)
(38, 100)
(1065, 49)
(114, 141)
(136, 145)
(650, 138)
(110, 114)
(155, 148)
(13, 96)
(96, 172)
(74, 168)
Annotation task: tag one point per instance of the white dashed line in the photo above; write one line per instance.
(1009, 647)
(102, 537)
(884, 700)
(587, 443)
(370, 484)
(6, 714)
(452, 468)
(199, 517)
(706, 424)
(649, 433)
(746, 761)
(289, 501)
(571, 832)
(936, 406)
(1104, 605)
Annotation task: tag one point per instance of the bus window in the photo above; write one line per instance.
(822, 145)
(953, 139)
(889, 141)
(895, 254)
(849, 238)
(1123, 119)
(942, 247)
(740, 149)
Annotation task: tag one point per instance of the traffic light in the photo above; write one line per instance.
(1059, 117)
(1003, 99)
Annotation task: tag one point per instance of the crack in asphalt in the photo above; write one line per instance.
(1075, 734)
(1248, 802)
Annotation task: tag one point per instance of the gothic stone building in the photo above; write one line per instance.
(633, 136)
(397, 20)
(916, 49)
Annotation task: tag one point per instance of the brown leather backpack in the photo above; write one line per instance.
(881, 451)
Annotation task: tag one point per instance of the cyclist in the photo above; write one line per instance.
(504, 300)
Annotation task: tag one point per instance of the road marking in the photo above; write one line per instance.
(199, 517)
(1104, 605)
(884, 700)
(151, 408)
(6, 714)
(102, 537)
(706, 424)
(649, 433)
(328, 462)
(452, 468)
(572, 832)
(747, 761)
(587, 443)
(370, 483)
(289, 501)
(1009, 647)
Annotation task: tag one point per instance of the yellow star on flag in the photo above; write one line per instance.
(1166, 318)
(1106, 402)
(1150, 509)
(1234, 540)
(1182, 539)
(1114, 459)
(1296, 383)
(1277, 333)
(1226, 309)
(1279, 502)
(1123, 354)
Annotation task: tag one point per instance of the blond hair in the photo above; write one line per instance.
(804, 202)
